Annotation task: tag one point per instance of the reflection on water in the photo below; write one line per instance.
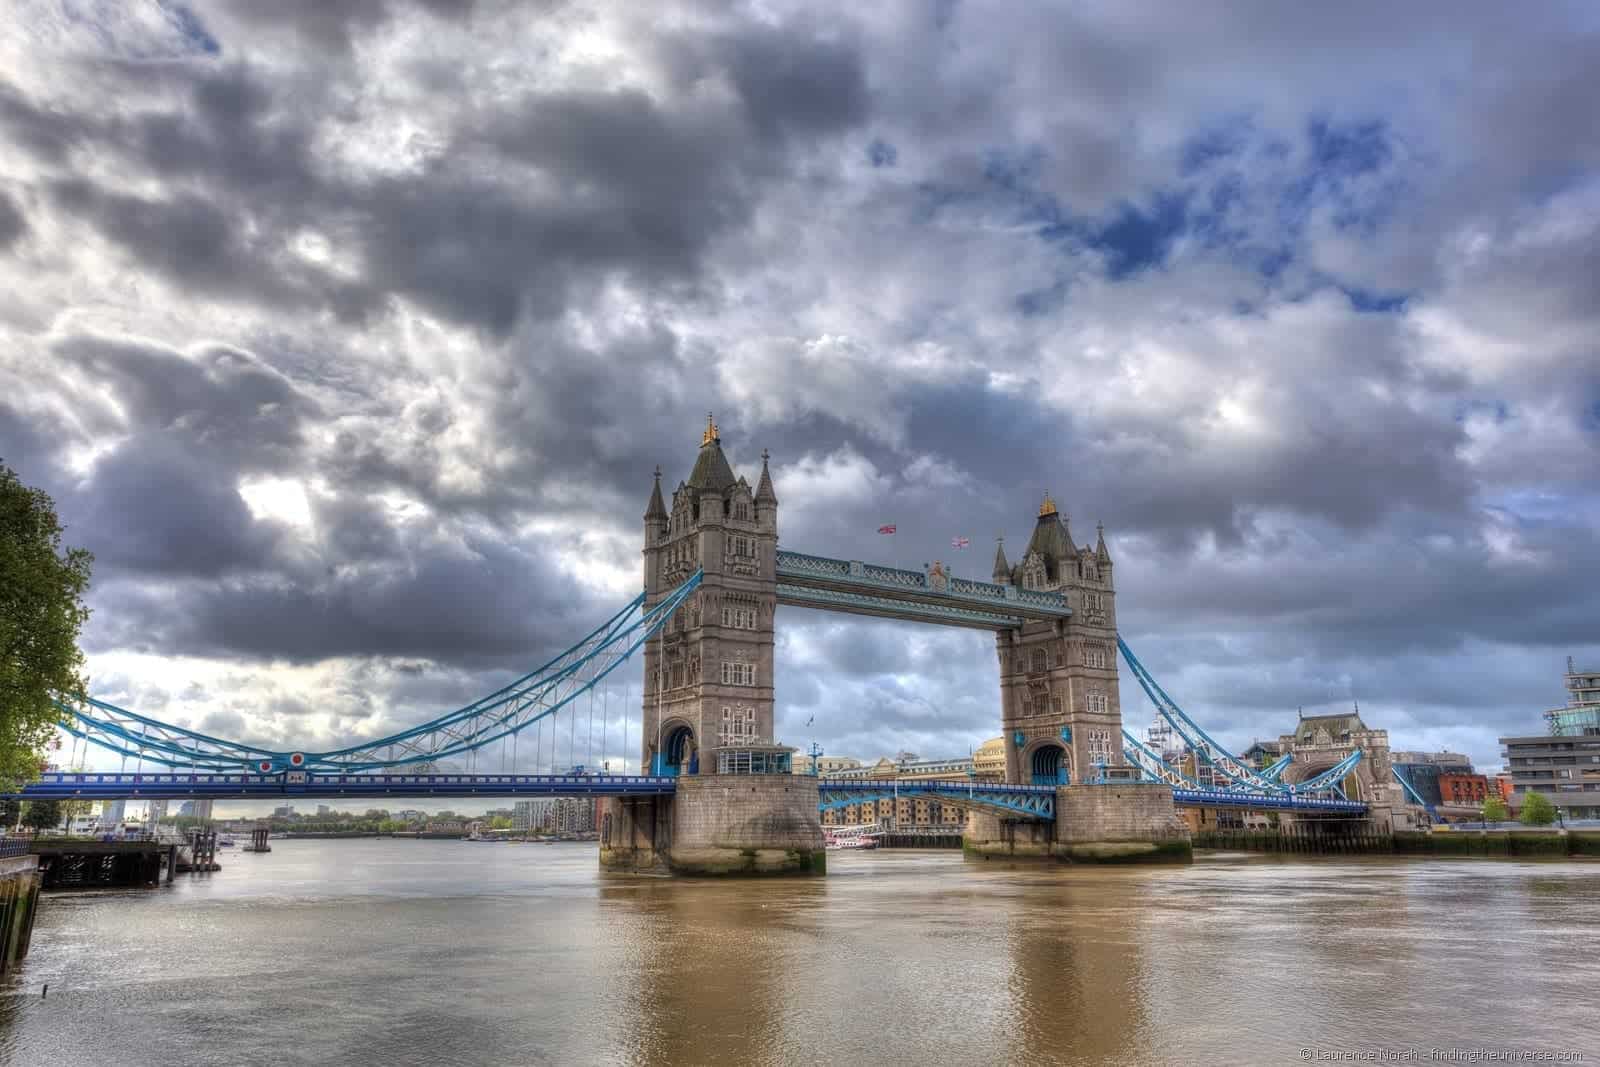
(442, 952)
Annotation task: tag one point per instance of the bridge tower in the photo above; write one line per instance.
(708, 692)
(708, 672)
(1059, 702)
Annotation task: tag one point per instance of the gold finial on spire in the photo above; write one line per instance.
(711, 433)
(1048, 507)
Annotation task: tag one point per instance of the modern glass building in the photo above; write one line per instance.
(1564, 764)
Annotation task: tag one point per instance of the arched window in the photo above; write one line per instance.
(1040, 659)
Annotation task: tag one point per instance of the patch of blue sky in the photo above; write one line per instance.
(1225, 140)
(1499, 410)
(192, 29)
(1349, 148)
(1367, 300)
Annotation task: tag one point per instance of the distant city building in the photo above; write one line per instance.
(445, 826)
(1163, 740)
(907, 813)
(1566, 769)
(523, 815)
(1500, 785)
(550, 815)
(1564, 764)
(284, 812)
(1263, 753)
(112, 813)
(410, 815)
(186, 808)
(323, 811)
(1581, 715)
(1422, 771)
(1463, 789)
(828, 765)
(989, 762)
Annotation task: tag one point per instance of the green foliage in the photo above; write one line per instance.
(42, 814)
(1494, 809)
(1537, 810)
(10, 809)
(499, 822)
(41, 612)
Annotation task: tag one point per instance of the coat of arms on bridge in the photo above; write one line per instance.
(938, 580)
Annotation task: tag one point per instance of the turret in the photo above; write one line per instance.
(655, 515)
(1101, 555)
(766, 499)
(1002, 569)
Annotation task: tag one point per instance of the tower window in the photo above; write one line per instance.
(1099, 703)
(739, 617)
(738, 673)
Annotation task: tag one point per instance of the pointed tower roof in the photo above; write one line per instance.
(764, 493)
(1100, 552)
(711, 470)
(656, 510)
(1002, 569)
(1051, 537)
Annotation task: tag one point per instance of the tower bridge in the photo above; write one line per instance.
(718, 796)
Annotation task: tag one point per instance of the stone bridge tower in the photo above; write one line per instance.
(708, 671)
(1060, 706)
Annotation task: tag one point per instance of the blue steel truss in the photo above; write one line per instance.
(1411, 790)
(1210, 798)
(872, 589)
(535, 696)
(90, 786)
(891, 607)
(1028, 802)
(1226, 763)
(1033, 802)
(1275, 772)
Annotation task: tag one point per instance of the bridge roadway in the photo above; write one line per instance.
(1024, 801)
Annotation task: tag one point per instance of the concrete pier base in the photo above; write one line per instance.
(717, 825)
(1131, 822)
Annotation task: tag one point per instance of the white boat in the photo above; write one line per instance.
(851, 838)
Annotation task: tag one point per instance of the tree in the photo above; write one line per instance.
(1494, 809)
(42, 814)
(1537, 810)
(41, 612)
(10, 811)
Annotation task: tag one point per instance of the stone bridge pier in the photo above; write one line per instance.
(1118, 822)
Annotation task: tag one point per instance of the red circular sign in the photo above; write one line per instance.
(265, 766)
(297, 759)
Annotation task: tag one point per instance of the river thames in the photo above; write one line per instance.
(458, 953)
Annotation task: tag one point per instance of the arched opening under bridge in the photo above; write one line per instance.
(679, 752)
(1052, 765)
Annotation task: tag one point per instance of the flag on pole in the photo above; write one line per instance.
(960, 542)
(886, 529)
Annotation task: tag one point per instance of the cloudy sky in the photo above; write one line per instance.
(347, 334)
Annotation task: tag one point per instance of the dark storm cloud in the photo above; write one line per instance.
(221, 399)
(158, 507)
(333, 25)
(12, 223)
(478, 602)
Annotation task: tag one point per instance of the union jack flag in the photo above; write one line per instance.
(960, 542)
(886, 529)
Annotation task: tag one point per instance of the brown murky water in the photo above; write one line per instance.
(454, 953)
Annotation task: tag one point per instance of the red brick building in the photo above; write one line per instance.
(1463, 788)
